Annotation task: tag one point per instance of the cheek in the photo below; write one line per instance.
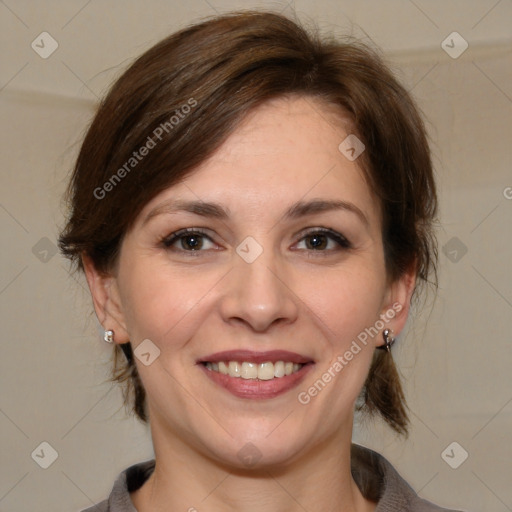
(159, 301)
(347, 301)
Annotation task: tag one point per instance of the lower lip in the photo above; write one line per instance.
(257, 389)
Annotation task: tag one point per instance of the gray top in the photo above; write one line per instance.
(374, 475)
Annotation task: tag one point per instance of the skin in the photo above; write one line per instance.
(292, 297)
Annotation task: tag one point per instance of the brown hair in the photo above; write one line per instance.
(187, 94)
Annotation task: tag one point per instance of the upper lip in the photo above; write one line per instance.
(251, 356)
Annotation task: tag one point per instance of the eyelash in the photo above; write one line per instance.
(169, 240)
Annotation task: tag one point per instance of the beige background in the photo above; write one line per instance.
(54, 364)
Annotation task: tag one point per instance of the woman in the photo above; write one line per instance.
(253, 209)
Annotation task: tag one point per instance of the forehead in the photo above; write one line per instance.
(283, 151)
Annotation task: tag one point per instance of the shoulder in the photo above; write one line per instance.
(379, 481)
(128, 481)
(100, 507)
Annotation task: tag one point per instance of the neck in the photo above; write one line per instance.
(185, 479)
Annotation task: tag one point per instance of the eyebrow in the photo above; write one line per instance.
(295, 211)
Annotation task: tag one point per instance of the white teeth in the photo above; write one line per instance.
(234, 369)
(279, 369)
(263, 371)
(249, 371)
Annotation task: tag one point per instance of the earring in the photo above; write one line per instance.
(388, 340)
(109, 336)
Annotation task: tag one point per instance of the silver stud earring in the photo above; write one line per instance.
(109, 336)
(388, 340)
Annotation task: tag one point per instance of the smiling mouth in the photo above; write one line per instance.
(254, 371)
(256, 375)
(260, 381)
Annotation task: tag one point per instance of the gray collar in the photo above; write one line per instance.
(374, 475)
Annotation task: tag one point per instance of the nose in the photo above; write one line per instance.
(258, 294)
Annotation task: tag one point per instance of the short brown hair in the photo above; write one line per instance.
(222, 68)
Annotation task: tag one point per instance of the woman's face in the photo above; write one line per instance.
(283, 263)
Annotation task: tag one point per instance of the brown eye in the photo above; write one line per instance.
(192, 242)
(188, 240)
(324, 240)
(317, 241)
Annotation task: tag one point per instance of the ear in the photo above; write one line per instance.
(397, 301)
(106, 300)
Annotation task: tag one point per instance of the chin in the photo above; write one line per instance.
(253, 457)
(256, 450)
